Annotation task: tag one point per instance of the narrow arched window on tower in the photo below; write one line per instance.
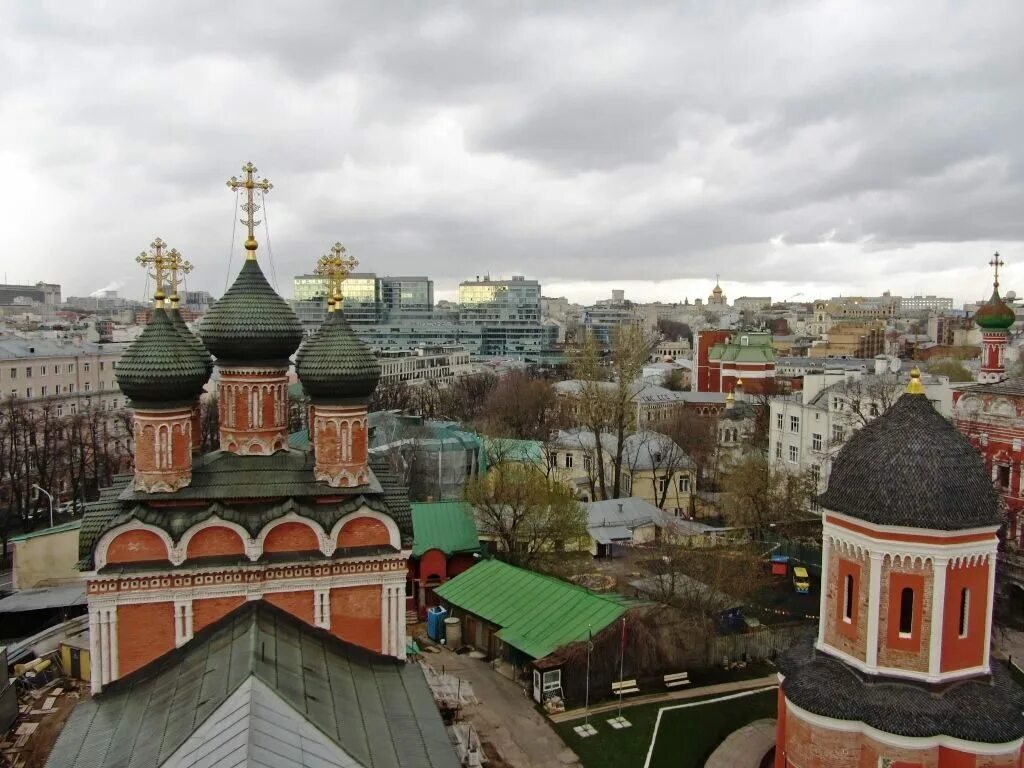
(906, 611)
(965, 606)
(848, 597)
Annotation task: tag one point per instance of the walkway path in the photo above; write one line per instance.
(746, 747)
(505, 718)
(654, 698)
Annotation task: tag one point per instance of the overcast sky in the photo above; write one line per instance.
(808, 148)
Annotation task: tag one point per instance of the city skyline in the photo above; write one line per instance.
(877, 153)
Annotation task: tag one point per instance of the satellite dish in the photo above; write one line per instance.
(895, 365)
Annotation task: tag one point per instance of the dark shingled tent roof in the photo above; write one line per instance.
(161, 366)
(910, 467)
(335, 365)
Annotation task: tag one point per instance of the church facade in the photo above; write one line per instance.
(899, 674)
(324, 535)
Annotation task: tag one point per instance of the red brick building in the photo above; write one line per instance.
(722, 358)
(900, 673)
(323, 534)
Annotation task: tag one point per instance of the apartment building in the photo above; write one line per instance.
(808, 428)
(442, 364)
(72, 374)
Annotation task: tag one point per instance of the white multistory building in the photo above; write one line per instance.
(808, 428)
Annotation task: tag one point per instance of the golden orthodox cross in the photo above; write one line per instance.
(249, 184)
(158, 259)
(176, 267)
(335, 266)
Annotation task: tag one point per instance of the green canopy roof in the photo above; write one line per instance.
(537, 614)
(444, 525)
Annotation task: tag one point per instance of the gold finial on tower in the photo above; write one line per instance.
(996, 263)
(249, 184)
(335, 266)
(915, 387)
(158, 259)
(176, 266)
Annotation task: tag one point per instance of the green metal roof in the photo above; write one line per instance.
(377, 710)
(47, 531)
(509, 449)
(537, 614)
(444, 525)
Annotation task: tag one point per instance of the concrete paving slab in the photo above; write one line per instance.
(746, 747)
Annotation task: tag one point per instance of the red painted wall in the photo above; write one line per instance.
(144, 632)
(853, 569)
(363, 532)
(136, 547)
(211, 609)
(969, 651)
(291, 537)
(217, 540)
(897, 583)
(298, 604)
(355, 615)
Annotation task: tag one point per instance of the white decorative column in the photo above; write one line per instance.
(991, 560)
(874, 606)
(938, 613)
(112, 635)
(826, 551)
(385, 620)
(400, 623)
(95, 652)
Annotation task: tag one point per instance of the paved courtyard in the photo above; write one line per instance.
(505, 718)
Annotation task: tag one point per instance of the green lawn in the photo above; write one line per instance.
(685, 739)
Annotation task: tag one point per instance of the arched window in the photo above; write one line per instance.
(965, 606)
(848, 597)
(906, 611)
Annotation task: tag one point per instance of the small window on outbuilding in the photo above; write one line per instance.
(906, 612)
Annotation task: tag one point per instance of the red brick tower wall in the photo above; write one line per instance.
(253, 407)
(340, 444)
(163, 449)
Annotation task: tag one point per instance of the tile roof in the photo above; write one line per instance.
(334, 365)
(375, 710)
(445, 525)
(1007, 387)
(980, 709)
(911, 467)
(537, 614)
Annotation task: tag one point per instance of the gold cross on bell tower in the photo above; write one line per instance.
(249, 184)
(158, 259)
(996, 263)
(335, 266)
(176, 268)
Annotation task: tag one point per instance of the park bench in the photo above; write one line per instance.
(676, 679)
(625, 686)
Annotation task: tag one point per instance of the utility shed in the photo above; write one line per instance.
(529, 612)
(261, 688)
(445, 543)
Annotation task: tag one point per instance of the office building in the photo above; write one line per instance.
(47, 294)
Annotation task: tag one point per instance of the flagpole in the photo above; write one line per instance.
(586, 706)
(622, 658)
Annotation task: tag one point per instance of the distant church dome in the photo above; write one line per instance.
(251, 323)
(995, 314)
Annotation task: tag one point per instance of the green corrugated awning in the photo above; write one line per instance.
(537, 614)
(444, 525)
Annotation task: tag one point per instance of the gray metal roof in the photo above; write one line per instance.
(44, 598)
(30, 349)
(375, 710)
(626, 513)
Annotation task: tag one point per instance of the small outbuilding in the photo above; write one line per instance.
(445, 543)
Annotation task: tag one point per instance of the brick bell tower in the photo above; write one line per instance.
(252, 332)
(162, 373)
(339, 373)
(900, 673)
(994, 318)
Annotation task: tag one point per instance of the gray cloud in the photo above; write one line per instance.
(662, 142)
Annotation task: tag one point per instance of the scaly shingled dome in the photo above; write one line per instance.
(251, 323)
(191, 338)
(995, 315)
(334, 365)
(161, 367)
(910, 467)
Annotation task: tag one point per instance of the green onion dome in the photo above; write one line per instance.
(191, 338)
(251, 323)
(995, 315)
(335, 366)
(161, 367)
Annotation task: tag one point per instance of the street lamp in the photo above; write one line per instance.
(50, 497)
